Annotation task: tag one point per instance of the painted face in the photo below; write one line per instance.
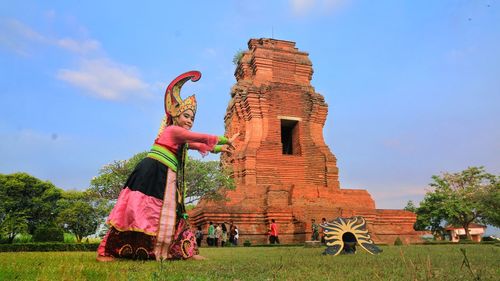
(185, 119)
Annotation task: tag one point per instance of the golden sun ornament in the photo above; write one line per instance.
(343, 234)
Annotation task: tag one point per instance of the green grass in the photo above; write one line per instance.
(436, 262)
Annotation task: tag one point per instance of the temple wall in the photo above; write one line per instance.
(273, 95)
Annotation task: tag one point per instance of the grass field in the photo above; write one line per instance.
(436, 262)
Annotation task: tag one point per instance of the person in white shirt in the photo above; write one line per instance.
(218, 235)
(236, 236)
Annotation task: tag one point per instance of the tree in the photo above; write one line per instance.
(25, 203)
(430, 216)
(203, 179)
(410, 206)
(490, 200)
(459, 199)
(207, 179)
(421, 223)
(80, 213)
(12, 224)
(112, 177)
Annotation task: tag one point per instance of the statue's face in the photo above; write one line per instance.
(185, 119)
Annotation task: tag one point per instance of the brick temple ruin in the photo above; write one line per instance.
(282, 167)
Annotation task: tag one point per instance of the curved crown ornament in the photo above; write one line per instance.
(174, 104)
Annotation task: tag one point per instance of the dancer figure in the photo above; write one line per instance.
(149, 220)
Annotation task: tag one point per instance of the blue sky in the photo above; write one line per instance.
(413, 86)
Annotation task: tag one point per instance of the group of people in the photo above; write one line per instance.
(219, 235)
(315, 231)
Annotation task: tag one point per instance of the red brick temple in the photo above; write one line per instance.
(282, 167)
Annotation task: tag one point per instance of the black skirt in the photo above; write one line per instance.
(149, 177)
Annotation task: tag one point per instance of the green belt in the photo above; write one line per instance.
(163, 155)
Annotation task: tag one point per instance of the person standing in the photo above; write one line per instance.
(314, 230)
(223, 235)
(211, 234)
(273, 233)
(236, 235)
(323, 222)
(218, 235)
(231, 232)
(199, 236)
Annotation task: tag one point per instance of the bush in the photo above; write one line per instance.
(437, 242)
(458, 243)
(467, 241)
(236, 59)
(247, 243)
(398, 242)
(275, 245)
(48, 247)
(69, 238)
(48, 234)
(23, 238)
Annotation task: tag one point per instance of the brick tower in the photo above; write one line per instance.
(283, 169)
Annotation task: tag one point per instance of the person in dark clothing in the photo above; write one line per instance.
(199, 236)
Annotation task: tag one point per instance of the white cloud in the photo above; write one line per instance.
(100, 76)
(17, 36)
(21, 30)
(81, 47)
(22, 39)
(103, 78)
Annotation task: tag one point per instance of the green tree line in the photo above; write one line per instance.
(459, 199)
(28, 204)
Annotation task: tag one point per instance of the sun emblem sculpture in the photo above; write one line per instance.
(343, 234)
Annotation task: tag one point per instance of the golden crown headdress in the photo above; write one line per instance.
(174, 104)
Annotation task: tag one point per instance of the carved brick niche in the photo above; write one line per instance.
(283, 169)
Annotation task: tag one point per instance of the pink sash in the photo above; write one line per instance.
(173, 242)
(167, 218)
